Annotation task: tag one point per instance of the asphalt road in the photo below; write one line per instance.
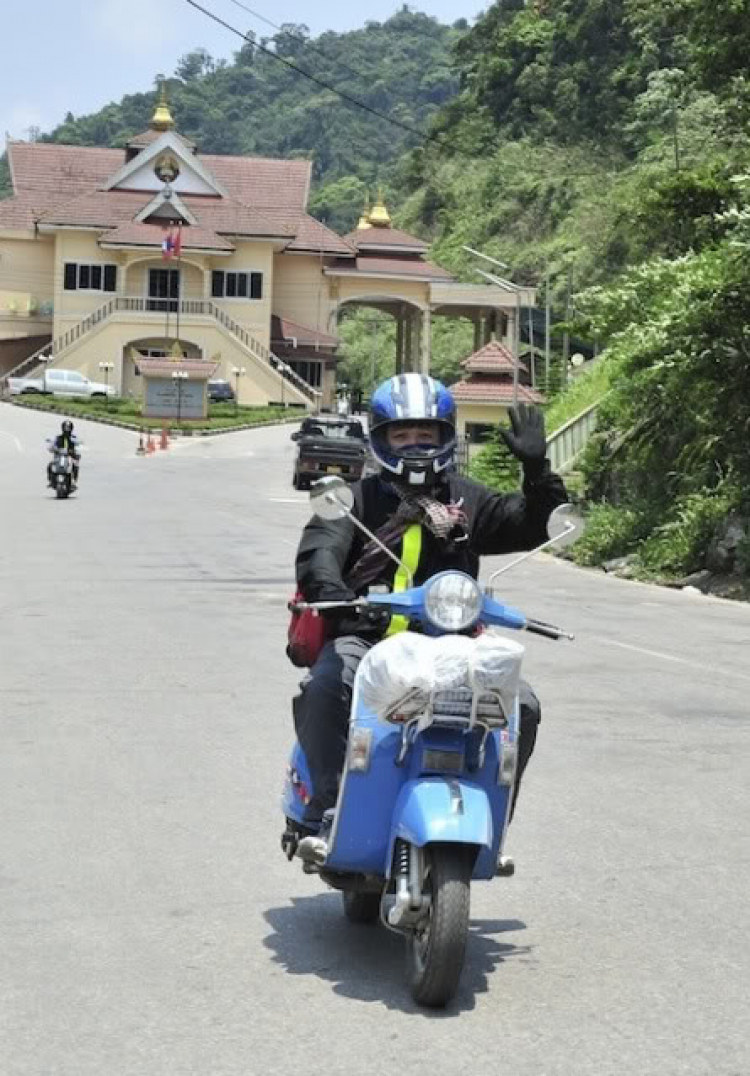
(150, 925)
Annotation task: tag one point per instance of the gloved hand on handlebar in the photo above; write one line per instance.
(527, 439)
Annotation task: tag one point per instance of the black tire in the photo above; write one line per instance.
(295, 482)
(61, 489)
(436, 952)
(361, 907)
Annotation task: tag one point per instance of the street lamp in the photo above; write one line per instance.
(238, 371)
(179, 376)
(105, 367)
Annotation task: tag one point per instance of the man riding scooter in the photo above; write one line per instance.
(432, 519)
(66, 441)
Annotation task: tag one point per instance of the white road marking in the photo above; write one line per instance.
(13, 438)
(288, 500)
(710, 669)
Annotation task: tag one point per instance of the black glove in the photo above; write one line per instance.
(527, 440)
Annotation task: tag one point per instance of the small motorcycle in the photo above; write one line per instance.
(62, 473)
(425, 796)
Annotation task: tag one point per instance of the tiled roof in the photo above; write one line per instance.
(310, 234)
(263, 182)
(361, 238)
(407, 267)
(150, 235)
(493, 358)
(284, 331)
(147, 137)
(490, 390)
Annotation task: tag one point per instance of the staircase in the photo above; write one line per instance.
(52, 354)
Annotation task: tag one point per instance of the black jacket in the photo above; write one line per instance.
(496, 523)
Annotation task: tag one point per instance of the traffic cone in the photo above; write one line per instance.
(141, 450)
(164, 443)
(150, 446)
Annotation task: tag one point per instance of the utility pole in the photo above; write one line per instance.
(566, 334)
(547, 327)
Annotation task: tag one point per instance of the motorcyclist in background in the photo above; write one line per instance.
(66, 441)
(433, 519)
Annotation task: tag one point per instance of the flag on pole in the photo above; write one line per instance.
(177, 241)
(168, 244)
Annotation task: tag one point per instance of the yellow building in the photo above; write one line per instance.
(89, 272)
(485, 394)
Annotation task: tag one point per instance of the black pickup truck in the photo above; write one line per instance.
(329, 444)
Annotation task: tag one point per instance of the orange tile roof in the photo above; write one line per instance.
(409, 267)
(362, 238)
(285, 331)
(147, 137)
(194, 237)
(198, 369)
(491, 390)
(493, 358)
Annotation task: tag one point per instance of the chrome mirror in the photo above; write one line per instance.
(565, 525)
(331, 498)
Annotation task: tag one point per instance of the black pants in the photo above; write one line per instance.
(321, 718)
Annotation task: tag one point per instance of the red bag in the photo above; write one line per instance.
(306, 636)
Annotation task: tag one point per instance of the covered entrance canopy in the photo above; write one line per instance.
(391, 273)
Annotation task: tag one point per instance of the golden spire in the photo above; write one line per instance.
(379, 217)
(162, 117)
(363, 220)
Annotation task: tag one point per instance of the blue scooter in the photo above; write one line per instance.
(425, 797)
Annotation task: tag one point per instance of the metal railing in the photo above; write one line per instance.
(565, 445)
(50, 354)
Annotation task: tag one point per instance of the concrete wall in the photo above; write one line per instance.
(491, 414)
(26, 283)
(302, 293)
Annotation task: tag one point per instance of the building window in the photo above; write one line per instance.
(479, 433)
(309, 372)
(236, 285)
(82, 277)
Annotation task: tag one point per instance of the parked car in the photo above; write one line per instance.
(329, 444)
(59, 383)
(220, 392)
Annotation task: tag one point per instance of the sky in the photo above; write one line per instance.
(78, 55)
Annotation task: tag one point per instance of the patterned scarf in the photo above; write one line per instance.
(439, 518)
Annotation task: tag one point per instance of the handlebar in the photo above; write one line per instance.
(549, 631)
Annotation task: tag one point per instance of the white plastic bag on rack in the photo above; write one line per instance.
(496, 666)
(452, 661)
(398, 673)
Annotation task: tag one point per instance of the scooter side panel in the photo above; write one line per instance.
(364, 812)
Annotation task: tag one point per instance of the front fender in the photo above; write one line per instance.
(441, 810)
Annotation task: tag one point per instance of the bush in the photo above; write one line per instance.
(610, 532)
(494, 467)
(679, 546)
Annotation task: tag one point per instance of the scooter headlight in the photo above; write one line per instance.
(453, 601)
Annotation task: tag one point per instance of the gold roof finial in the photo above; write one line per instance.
(364, 219)
(162, 118)
(379, 217)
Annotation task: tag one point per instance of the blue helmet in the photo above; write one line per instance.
(406, 399)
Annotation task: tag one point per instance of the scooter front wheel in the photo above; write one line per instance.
(437, 948)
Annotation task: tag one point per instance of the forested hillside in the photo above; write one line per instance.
(605, 142)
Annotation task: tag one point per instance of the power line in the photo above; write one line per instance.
(423, 135)
(299, 37)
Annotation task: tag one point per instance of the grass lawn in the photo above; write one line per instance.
(221, 416)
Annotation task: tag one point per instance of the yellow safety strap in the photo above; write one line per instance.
(411, 548)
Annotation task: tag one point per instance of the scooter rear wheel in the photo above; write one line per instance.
(361, 907)
(436, 950)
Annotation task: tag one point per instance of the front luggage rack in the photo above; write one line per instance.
(465, 707)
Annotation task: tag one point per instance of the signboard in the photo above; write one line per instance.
(171, 397)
